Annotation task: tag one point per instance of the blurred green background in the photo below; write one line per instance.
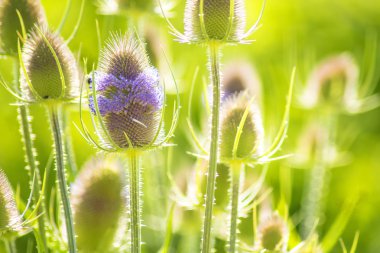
(294, 32)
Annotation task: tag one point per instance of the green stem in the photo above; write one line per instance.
(236, 170)
(71, 161)
(10, 246)
(59, 156)
(134, 199)
(215, 76)
(30, 155)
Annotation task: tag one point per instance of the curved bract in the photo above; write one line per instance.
(31, 12)
(48, 68)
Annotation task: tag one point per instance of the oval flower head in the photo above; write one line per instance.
(273, 234)
(10, 219)
(99, 199)
(333, 82)
(48, 68)
(241, 130)
(128, 95)
(30, 11)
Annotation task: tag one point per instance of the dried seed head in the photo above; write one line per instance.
(240, 76)
(273, 233)
(221, 20)
(250, 140)
(333, 82)
(115, 7)
(10, 219)
(43, 70)
(129, 94)
(31, 12)
(99, 201)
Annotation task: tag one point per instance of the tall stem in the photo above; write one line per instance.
(59, 156)
(236, 169)
(211, 175)
(10, 245)
(134, 201)
(30, 158)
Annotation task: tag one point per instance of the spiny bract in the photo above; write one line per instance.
(31, 12)
(221, 20)
(252, 131)
(99, 201)
(10, 219)
(129, 94)
(43, 71)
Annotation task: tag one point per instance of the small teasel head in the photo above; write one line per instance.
(31, 12)
(332, 82)
(10, 219)
(241, 130)
(239, 76)
(99, 202)
(129, 96)
(273, 233)
(48, 69)
(219, 20)
(118, 7)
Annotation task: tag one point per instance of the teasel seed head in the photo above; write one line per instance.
(240, 76)
(118, 7)
(44, 69)
(233, 112)
(10, 219)
(219, 20)
(332, 82)
(128, 93)
(31, 12)
(273, 234)
(99, 201)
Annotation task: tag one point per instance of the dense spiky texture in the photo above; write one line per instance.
(273, 234)
(10, 219)
(333, 81)
(99, 200)
(31, 12)
(43, 71)
(217, 20)
(240, 76)
(111, 7)
(252, 131)
(129, 95)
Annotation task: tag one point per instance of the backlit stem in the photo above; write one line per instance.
(211, 175)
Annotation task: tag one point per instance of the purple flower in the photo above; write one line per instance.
(130, 101)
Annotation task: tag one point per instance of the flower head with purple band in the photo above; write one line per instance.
(128, 93)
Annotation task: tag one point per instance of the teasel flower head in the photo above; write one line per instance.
(127, 97)
(214, 20)
(120, 7)
(48, 69)
(239, 76)
(99, 200)
(273, 234)
(335, 83)
(241, 130)
(10, 219)
(11, 13)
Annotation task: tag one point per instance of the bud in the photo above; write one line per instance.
(129, 94)
(43, 71)
(239, 76)
(252, 132)
(216, 23)
(332, 82)
(31, 12)
(99, 201)
(273, 234)
(10, 219)
(114, 7)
